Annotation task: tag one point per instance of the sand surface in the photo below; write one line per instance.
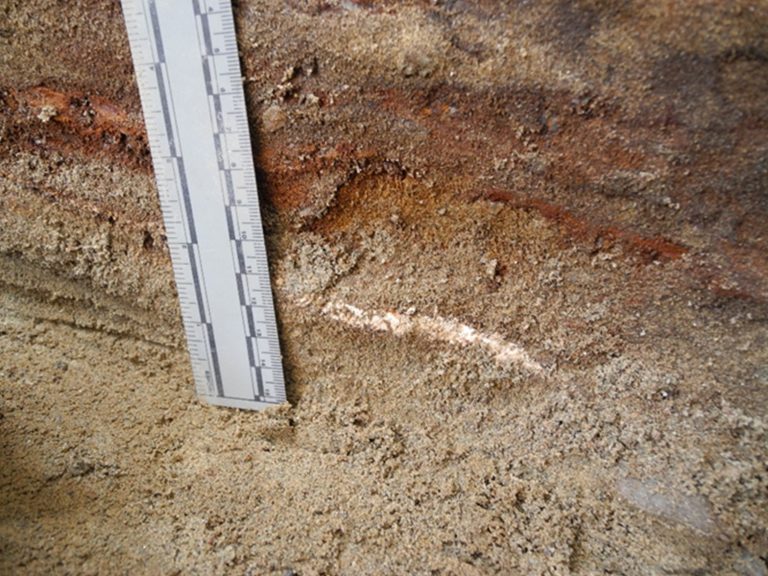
(408, 449)
(520, 260)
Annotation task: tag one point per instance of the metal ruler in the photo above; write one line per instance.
(187, 66)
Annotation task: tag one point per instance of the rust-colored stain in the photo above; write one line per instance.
(76, 122)
(744, 276)
(556, 144)
(89, 115)
(650, 247)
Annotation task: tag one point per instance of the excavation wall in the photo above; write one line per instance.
(520, 257)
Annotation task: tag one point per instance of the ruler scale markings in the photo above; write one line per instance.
(178, 164)
(164, 105)
(225, 160)
(156, 30)
(213, 374)
(219, 150)
(203, 164)
(208, 76)
(240, 256)
(206, 33)
(240, 291)
(251, 327)
(230, 187)
(259, 381)
(251, 356)
(182, 180)
(217, 111)
(231, 226)
(214, 360)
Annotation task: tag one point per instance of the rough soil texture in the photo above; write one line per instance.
(520, 255)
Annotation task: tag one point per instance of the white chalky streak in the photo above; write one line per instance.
(434, 328)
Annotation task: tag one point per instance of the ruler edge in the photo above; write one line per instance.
(201, 387)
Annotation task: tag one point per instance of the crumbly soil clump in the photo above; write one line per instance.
(520, 259)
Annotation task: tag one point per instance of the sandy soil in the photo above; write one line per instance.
(406, 450)
(519, 257)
